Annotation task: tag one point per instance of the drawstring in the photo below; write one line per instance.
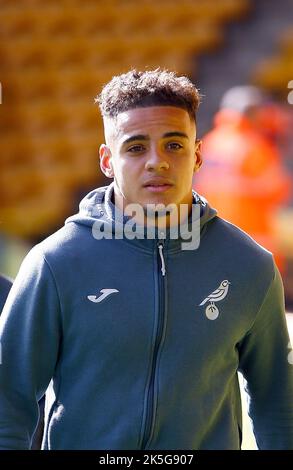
(163, 268)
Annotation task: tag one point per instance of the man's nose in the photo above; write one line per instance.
(156, 161)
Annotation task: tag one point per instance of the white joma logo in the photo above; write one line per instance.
(104, 292)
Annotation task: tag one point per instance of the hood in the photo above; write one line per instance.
(97, 210)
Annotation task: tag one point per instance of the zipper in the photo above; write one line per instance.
(163, 266)
(150, 418)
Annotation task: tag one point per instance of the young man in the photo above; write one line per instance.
(141, 331)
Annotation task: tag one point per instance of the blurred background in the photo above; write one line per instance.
(55, 55)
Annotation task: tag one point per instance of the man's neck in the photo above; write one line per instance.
(154, 215)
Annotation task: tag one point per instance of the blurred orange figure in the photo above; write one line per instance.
(242, 174)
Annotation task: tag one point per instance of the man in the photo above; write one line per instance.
(143, 335)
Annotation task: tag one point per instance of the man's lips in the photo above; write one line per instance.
(158, 185)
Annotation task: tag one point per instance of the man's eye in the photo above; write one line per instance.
(174, 146)
(135, 149)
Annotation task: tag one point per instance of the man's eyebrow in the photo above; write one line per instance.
(136, 137)
(176, 134)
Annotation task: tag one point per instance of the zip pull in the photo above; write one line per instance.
(163, 268)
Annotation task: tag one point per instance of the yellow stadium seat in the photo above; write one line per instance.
(55, 57)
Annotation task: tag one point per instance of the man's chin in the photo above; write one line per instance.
(158, 209)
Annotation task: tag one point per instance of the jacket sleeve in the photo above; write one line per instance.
(265, 365)
(30, 332)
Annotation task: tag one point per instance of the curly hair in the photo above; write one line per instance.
(148, 88)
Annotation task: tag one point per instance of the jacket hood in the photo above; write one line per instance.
(97, 210)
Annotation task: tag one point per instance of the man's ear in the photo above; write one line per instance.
(198, 158)
(106, 161)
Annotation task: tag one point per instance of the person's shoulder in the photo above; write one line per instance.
(238, 238)
(55, 244)
(70, 241)
(241, 246)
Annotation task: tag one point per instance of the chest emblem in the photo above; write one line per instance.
(104, 294)
(212, 311)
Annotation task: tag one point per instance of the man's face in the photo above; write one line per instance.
(152, 154)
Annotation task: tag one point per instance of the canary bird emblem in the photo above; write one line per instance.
(212, 311)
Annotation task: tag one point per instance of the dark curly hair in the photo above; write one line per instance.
(148, 88)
